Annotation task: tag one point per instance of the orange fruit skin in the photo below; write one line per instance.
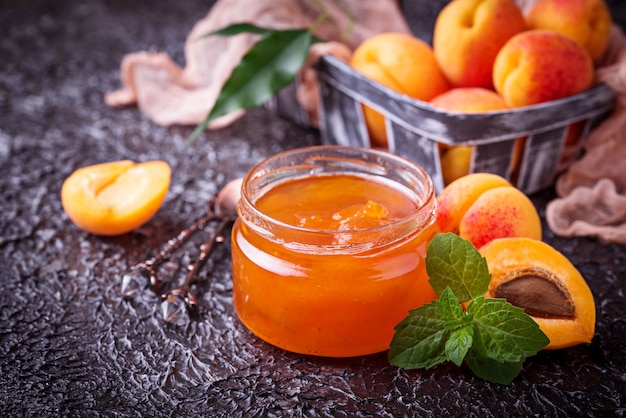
(457, 197)
(481, 207)
(468, 35)
(538, 66)
(403, 63)
(588, 22)
(500, 212)
(469, 100)
(116, 197)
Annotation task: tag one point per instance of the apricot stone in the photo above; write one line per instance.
(538, 66)
(500, 212)
(588, 22)
(468, 35)
(534, 276)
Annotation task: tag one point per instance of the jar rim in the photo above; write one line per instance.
(323, 160)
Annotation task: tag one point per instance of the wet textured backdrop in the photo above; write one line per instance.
(70, 345)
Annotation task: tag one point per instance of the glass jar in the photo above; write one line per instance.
(328, 249)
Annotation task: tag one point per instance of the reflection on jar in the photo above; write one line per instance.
(328, 250)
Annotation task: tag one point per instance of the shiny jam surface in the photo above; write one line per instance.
(355, 277)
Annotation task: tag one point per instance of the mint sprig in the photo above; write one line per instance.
(491, 336)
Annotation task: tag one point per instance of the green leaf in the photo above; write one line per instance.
(493, 337)
(503, 332)
(492, 370)
(460, 325)
(239, 28)
(454, 262)
(236, 29)
(420, 338)
(271, 64)
(452, 312)
(459, 343)
(449, 306)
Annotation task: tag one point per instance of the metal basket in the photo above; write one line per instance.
(551, 134)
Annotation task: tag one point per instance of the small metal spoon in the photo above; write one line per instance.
(143, 275)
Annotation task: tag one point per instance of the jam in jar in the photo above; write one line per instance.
(328, 249)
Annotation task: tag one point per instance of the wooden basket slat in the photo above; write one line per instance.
(341, 119)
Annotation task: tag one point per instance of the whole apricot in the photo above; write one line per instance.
(534, 276)
(588, 22)
(116, 197)
(481, 207)
(469, 100)
(500, 212)
(537, 66)
(457, 197)
(468, 35)
(456, 160)
(403, 63)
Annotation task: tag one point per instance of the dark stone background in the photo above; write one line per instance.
(71, 346)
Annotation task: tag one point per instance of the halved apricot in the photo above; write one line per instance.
(534, 276)
(116, 197)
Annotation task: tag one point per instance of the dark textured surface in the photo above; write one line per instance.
(71, 346)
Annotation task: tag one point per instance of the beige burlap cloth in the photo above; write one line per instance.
(592, 192)
(172, 95)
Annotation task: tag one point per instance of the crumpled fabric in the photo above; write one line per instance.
(592, 192)
(171, 95)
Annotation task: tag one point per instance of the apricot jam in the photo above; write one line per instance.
(328, 250)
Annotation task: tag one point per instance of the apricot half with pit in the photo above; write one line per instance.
(534, 276)
(115, 197)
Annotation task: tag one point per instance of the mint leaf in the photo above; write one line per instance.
(449, 307)
(271, 64)
(419, 340)
(459, 343)
(452, 312)
(454, 262)
(503, 332)
(492, 336)
(458, 323)
(492, 370)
